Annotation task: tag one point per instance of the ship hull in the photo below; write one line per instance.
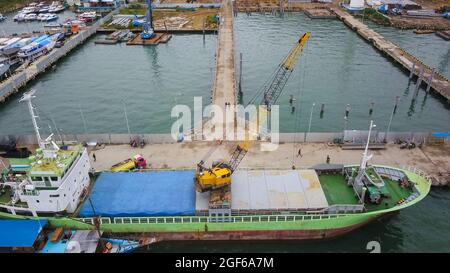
(248, 227)
(310, 229)
(250, 235)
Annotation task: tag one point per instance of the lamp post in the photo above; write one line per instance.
(310, 120)
(126, 119)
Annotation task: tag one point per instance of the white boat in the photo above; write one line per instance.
(19, 17)
(47, 17)
(4, 67)
(69, 23)
(41, 16)
(21, 43)
(28, 10)
(53, 25)
(31, 17)
(56, 7)
(39, 47)
(88, 16)
(9, 42)
(44, 9)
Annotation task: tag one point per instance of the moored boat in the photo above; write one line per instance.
(40, 46)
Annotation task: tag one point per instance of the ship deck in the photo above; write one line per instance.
(337, 192)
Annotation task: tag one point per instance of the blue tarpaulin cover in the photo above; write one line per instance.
(158, 193)
(20, 233)
(441, 134)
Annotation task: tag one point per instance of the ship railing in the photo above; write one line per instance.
(202, 219)
(349, 208)
(420, 173)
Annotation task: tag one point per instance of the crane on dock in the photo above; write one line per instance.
(147, 26)
(219, 175)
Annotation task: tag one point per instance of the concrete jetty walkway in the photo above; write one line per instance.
(224, 85)
(425, 73)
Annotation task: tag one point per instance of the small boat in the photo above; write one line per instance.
(21, 43)
(19, 17)
(53, 25)
(2, 18)
(68, 23)
(47, 17)
(443, 34)
(4, 67)
(28, 10)
(9, 42)
(56, 7)
(84, 241)
(40, 46)
(44, 10)
(10, 56)
(31, 17)
(424, 31)
(88, 16)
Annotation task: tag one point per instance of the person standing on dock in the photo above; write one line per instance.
(328, 159)
(299, 154)
(95, 158)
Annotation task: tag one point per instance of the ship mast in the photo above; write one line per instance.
(365, 157)
(49, 152)
(27, 97)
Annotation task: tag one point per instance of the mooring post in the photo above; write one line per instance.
(204, 23)
(240, 78)
(411, 74)
(419, 82)
(430, 80)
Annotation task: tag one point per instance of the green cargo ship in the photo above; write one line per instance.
(327, 200)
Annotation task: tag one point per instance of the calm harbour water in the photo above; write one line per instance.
(336, 68)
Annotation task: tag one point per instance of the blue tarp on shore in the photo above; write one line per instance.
(156, 193)
(441, 134)
(20, 233)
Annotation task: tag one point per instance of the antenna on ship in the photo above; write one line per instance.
(27, 98)
(49, 152)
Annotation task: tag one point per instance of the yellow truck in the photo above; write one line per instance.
(129, 164)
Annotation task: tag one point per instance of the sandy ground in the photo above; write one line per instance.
(179, 19)
(432, 160)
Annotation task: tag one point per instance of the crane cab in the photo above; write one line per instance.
(209, 179)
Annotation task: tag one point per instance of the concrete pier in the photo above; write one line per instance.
(436, 81)
(224, 85)
(26, 73)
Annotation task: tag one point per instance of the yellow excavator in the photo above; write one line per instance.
(219, 175)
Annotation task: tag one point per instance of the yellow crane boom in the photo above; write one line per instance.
(219, 175)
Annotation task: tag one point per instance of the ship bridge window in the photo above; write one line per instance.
(36, 178)
(54, 195)
(54, 178)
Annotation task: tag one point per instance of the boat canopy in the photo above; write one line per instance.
(20, 233)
